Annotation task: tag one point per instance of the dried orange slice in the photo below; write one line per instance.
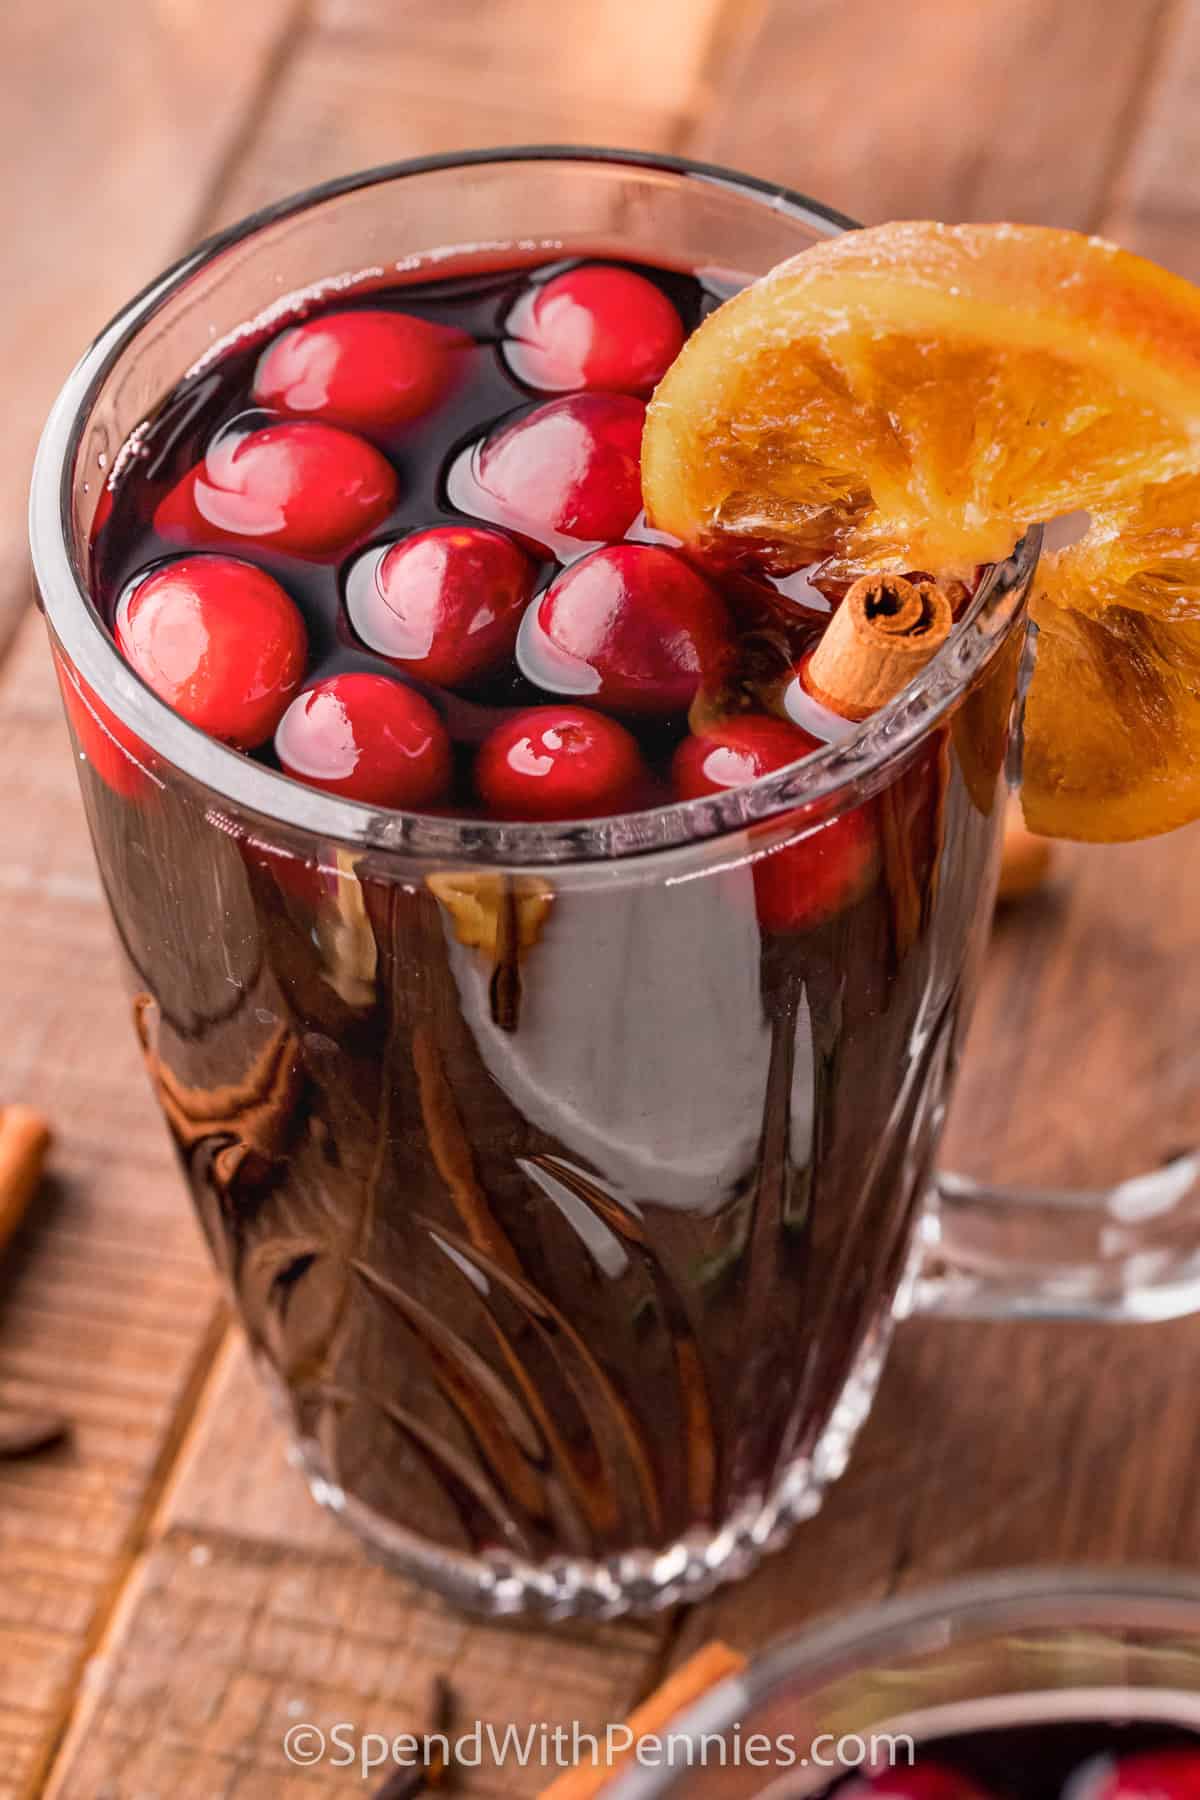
(915, 395)
(1112, 718)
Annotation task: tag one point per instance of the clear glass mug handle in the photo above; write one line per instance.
(1125, 1253)
(1129, 1253)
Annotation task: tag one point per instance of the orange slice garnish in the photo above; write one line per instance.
(914, 396)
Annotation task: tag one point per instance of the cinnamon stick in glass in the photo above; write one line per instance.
(883, 633)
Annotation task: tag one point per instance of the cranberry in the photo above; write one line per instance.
(633, 624)
(595, 327)
(1147, 1775)
(217, 639)
(571, 468)
(299, 486)
(559, 762)
(444, 603)
(367, 738)
(923, 1781)
(117, 754)
(802, 884)
(736, 751)
(365, 370)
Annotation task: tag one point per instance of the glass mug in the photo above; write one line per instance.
(567, 1192)
(1020, 1649)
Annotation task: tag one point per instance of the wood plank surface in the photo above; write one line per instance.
(272, 1637)
(104, 182)
(947, 109)
(655, 59)
(171, 1537)
(266, 1594)
(1154, 207)
(376, 83)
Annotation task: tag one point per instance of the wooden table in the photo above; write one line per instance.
(170, 1600)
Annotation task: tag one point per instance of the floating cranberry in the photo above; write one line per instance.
(299, 486)
(921, 1781)
(217, 639)
(366, 370)
(118, 755)
(802, 884)
(1147, 1775)
(367, 738)
(632, 624)
(444, 603)
(736, 751)
(571, 468)
(595, 327)
(559, 762)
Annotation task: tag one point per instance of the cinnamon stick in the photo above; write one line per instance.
(24, 1141)
(883, 633)
(685, 1685)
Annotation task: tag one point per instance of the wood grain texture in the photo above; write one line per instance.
(990, 1447)
(376, 83)
(271, 1636)
(1044, 1097)
(1154, 209)
(950, 110)
(103, 183)
(625, 53)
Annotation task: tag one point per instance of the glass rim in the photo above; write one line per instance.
(973, 1607)
(828, 780)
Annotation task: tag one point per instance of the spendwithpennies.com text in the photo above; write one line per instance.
(557, 1747)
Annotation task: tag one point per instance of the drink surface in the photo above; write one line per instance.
(518, 611)
(565, 1215)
